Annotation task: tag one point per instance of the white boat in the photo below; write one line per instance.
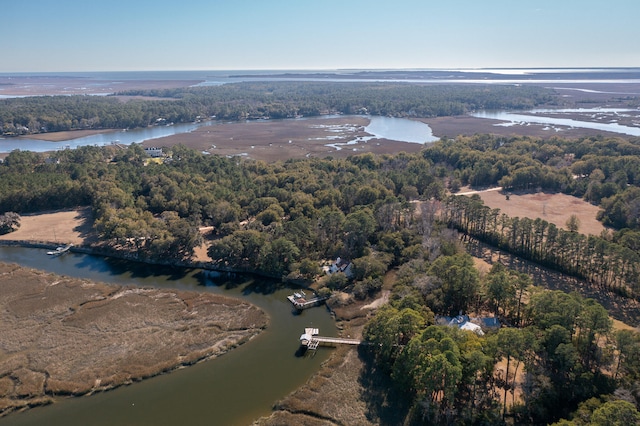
(60, 250)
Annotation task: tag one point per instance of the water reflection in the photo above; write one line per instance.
(512, 118)
(399, 129)
(234, 389)
(124, 137)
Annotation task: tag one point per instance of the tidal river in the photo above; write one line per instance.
(399, 129)
(234, 389)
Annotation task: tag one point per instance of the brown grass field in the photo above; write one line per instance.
(60, 227)
(555, 208)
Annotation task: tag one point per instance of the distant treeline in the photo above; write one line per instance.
(260, 100)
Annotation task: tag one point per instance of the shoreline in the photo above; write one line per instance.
(114, 254)
(73, 227)
(171, 312)
(273, 140)
(64, 135)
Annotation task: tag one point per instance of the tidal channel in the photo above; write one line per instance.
(234, 389)
(400, 129)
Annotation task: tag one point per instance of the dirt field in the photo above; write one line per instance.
(63, 136)
(61, 227)
(65, 336)
(554, 208)
(276, 140)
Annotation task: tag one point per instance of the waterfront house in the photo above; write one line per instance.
(478, 325)
(340, 265)
(154, 152)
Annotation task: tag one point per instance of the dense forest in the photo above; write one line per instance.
(242, 101)
(560, 354)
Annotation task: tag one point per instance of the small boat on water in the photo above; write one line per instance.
(60, 250)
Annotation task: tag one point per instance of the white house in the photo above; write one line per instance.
(463, 322)
(340, 265)
(154, 152)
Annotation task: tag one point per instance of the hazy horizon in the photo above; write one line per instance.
(249, 35)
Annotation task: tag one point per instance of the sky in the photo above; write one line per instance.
(128, 35)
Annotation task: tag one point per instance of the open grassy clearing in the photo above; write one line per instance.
(554, 208)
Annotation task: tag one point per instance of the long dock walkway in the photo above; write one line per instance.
(311, 340)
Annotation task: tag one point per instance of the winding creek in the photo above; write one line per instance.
(125, 137)
(398, 129)
(525, 117)
(234, 389)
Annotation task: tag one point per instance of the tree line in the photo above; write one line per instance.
(605, 264)
(292, 212)
(250, 100)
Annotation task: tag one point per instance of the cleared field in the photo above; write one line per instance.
(60, 227)
(554, 208)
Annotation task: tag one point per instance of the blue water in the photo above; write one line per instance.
(124, 137)
(234, 389)
(472, 76)
(513, 118)
(398, 129)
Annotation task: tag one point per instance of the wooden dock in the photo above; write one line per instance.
(299, 300)
(311, 340)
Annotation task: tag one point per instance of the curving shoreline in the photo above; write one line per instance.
(67, 336)
(224, 346)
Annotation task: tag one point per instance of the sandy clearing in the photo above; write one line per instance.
(619, 325)
(66, 135)
(555, 208)
(61, 227)
(382, 300)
